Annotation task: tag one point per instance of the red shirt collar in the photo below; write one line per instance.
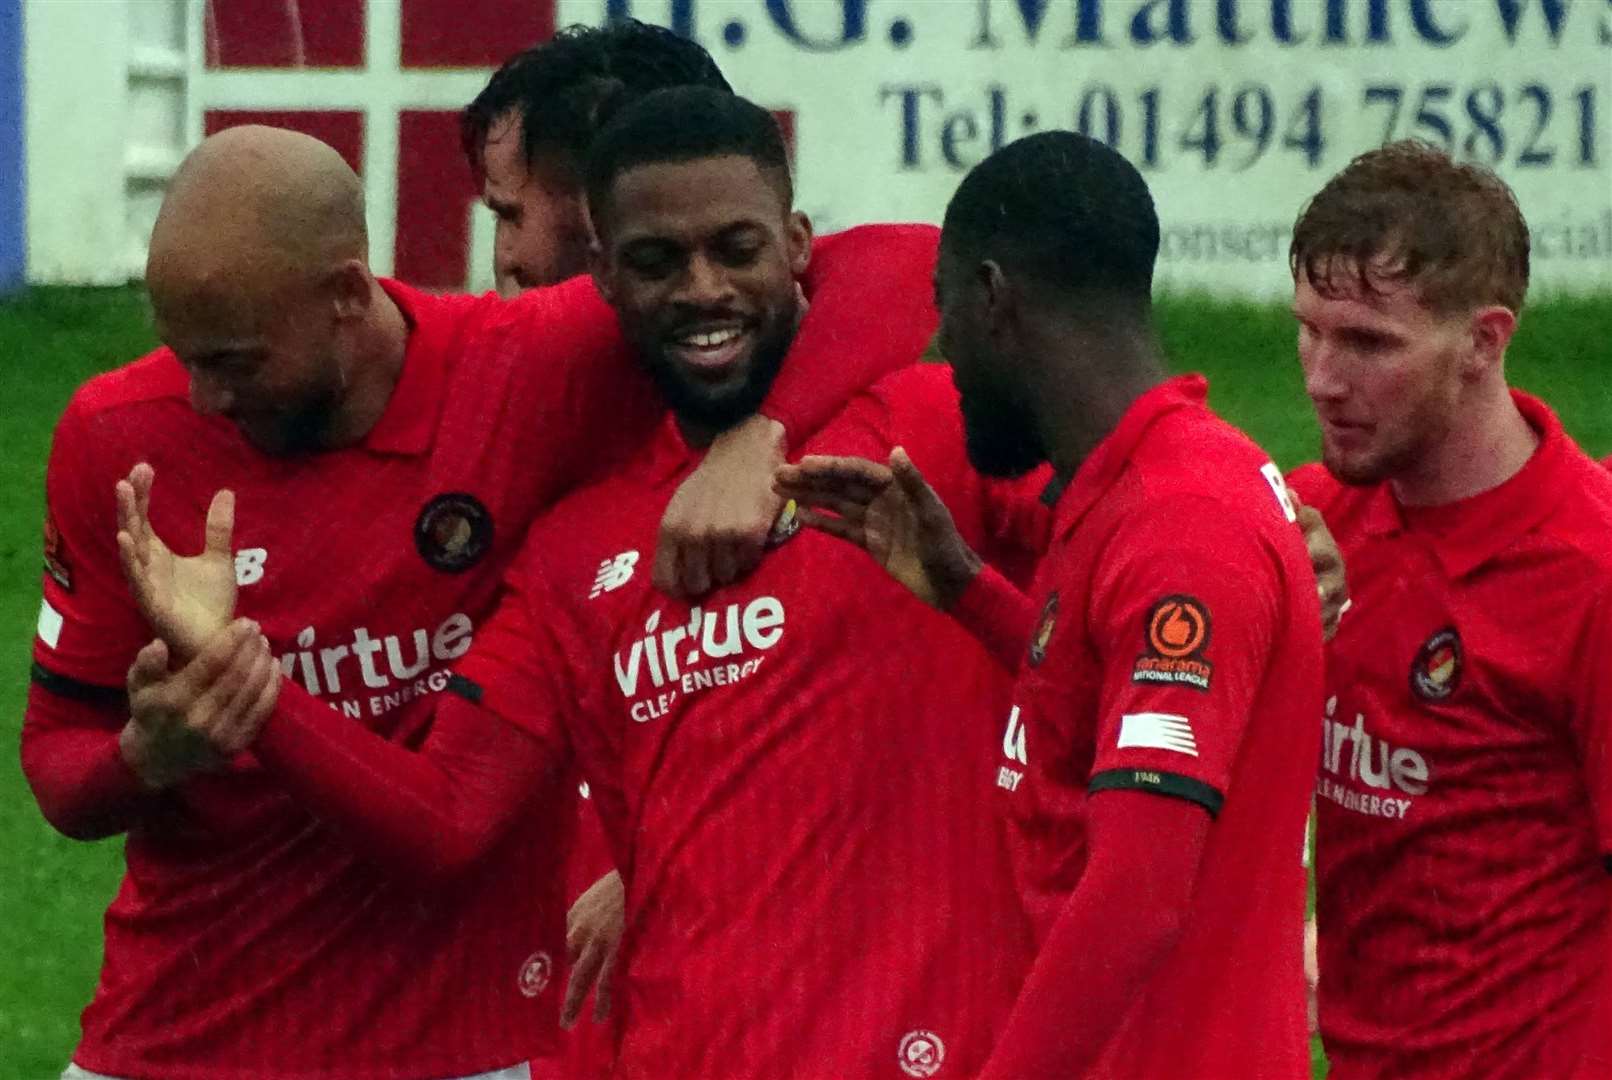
(1466, 534)
(1105, 464)
(410, 421)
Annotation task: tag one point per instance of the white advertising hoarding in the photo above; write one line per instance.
(1236, 110)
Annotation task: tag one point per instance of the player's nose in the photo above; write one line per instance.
(706, 284)
(1322, 380)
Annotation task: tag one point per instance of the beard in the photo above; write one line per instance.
(301, 429)
(718, 408)
(999, 438)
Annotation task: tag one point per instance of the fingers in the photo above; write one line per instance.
(141, 477)
(724, 563)
(604, 991)
(667, 561)
(583, 976)
(912, 482)
(694, 570)
(849, 531)
(237, 722)
(852, 478)
(220, 523)
(150, 667)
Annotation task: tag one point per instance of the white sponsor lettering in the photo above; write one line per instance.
(1370, 761)
(1157, 731)
(50, 624)
(1013, 739)
(663, 655)
(321, 670)
(1370, 805)
(1008, 779)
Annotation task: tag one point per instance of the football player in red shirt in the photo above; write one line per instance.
(816, 886)
(390, 449)
(525, 137)
(1464, 808)
(1155, 764)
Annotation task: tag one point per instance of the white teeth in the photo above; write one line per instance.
(711, 340)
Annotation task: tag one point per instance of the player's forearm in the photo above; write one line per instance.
(997, 615)
(421, 814)
(872, 312)
(73, 763)
(1121, 924)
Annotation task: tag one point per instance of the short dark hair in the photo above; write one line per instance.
(569, 87)
(1407, 212)
(686, 123)
(1061, 208)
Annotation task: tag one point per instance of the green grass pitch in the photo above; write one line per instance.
(53, 891)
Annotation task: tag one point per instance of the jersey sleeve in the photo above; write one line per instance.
(89, 628)
(1592, 718)
(525, 668)
(585, 400)
(872, 312)
(1184, 616)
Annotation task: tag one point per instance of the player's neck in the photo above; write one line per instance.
(1488, 445)
(377, 366)
(1092, 380)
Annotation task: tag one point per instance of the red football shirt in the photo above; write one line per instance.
(817, 885)
(1176, 652)
(1465, 797)
(248, 940)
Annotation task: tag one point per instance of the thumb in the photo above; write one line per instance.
(221, 523)
(150, 666)
(912, 481)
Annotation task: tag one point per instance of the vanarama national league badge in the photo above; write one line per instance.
(1176, 634)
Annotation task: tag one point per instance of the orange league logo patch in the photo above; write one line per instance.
(1176, 634)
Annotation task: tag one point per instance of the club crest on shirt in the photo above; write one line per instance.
(535, 974)
(55, 558)
(453, 532)
(786, 525)
(1436, 671)
(921, 1054)
(1043, 631)
(1175, 633)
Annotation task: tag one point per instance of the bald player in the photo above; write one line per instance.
(390, 449)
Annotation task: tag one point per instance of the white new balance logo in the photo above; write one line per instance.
(614, 573)
(249, 565)
(1157, 731)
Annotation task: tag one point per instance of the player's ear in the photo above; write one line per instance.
(1491, 328)
(997, 295)
(351, 292)
(798, 235)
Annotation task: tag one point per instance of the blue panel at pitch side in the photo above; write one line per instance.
(13, 244)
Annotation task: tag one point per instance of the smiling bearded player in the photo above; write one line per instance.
(815, 881)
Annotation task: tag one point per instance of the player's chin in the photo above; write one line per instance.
(1353, 466)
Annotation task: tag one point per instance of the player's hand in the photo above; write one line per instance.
(199, 717)
(716, 526)
(186, 599)
(593, 929)
(892, 513)
(1327, 561)
(1312, 973)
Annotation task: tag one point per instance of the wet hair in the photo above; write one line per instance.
(1408, 213)
(568, 88)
